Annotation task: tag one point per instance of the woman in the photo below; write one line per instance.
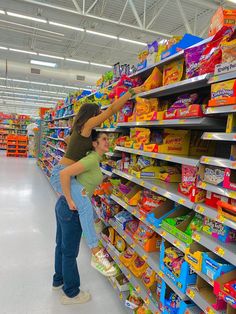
(80, 143)
(89, 176)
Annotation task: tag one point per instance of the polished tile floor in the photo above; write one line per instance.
(27, 232)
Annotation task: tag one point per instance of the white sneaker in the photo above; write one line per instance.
(56, 288)
(82, 297)
(102, 264)
(99, 226)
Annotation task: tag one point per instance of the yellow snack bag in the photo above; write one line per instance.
(173, 72)
(154, 80)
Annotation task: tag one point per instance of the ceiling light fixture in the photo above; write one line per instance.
(43, 63)
(38, 83)
(3, 48)
(101, 34)
(132, 41)
(101, 65)
(50, 56)
(78, 61)
(66, 26)
(23, 51)
(26, 17)
(2, 12)
(234, 1)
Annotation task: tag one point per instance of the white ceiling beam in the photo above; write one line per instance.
(77, 5)
(123, 11)
(134, 10)
(204, 4)
(92, 6)
(162, 7)
(144, 13)
(84, 6)
(146, 30)
(183, 15)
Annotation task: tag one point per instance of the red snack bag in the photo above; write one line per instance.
(212, 54)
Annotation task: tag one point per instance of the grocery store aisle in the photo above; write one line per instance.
(27, 232)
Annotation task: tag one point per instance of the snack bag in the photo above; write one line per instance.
(192, 57)
(173, 72)
(144, 106)
(195, 224)
(212, 54)
(143, 233)
(128, 256)
(154, 80)
(149, 277)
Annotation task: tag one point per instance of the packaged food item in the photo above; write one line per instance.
(120, 243)
(173, 260)
(195, 224)
(192, 57)
(149, 277)
(143, 107)
(182, 102)
(125, 112)
(128, 256)
(222, 17)
(173, 72)
(223, 93)
(218, 230)
(228, 51)
(214, 175)
(154, 80)
(138, 266)
(212, 54)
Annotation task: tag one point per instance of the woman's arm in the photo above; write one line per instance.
(112, 109)
(65, 176)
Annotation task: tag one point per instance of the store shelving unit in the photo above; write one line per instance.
(213, 123)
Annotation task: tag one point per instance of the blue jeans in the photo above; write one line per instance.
(67, 248)
(82, 202)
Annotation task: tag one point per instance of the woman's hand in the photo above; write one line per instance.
(139, 89)
(71, 205)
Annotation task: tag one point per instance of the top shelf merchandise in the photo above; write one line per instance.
(169, 203)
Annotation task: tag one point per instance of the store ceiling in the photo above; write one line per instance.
(139, 20)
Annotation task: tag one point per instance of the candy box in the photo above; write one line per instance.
(156, 216)
(138, 266)
(200, 147)
(177, 227)
(122, 283)
(170, 114)
(185, 275)
(133, 195)
(212, 175)
(223, 93)
(222, 17)
(229, 179)
(175, 142)
(219, 288)
(187, 41)
(218, 230)
(212, 199)
(128, 256)
(227, 209)
(206, 292)
(153, 116)
(230, 288)
(122, 218)
(147, 172)
(190, 112)
(195, 194)
(153, 148)
(214, 266)
(193, 255)
(170, 174)
(148, 239)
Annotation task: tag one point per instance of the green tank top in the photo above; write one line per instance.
(78, 146)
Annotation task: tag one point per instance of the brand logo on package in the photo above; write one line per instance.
(225, 67)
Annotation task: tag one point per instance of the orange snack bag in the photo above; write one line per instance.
(154, 80)
(173, 72)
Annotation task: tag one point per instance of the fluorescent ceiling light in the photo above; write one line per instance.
(26, 17)
(78, 61)
(46, 64)
(23, 51)
(38, 83)
(21, 81)
(101, 34)
(3, 48)
(50, 56)
(101, 65)
(56, 85)
(132, 41)
(2, 12)
(234, 1)
(66, 26)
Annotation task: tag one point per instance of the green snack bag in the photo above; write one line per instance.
(177, 220)
(195, 225)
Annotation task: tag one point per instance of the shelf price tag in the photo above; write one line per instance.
(181, 201)
(134, 212)
(138, 289)
(124, 236)
(142, 218)
(220, 218)
(220, 251)
(144, 257)
(142, 183)
(200, 209)
(205, 159)
(196, 237)
(163, 233)
(121, 296)
(147, 301)
(182, 121)
(202, 185)
(155, 189)
(133, 245)
(233, 164)
(191, 294)
(209, 135)
(232, 194)
(153, 155)
(210, 311)
(177, 243)
(125, 206)
(161, 274)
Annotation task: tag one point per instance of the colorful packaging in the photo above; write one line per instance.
(138, 266)
(212, 54)
(149, 277)
(228, 49)
(143, 107)
(128, 256)
(214, 175)
(223, 89)
(192, 57)
(221, 18)
(218, 230)
(154, 80)
(173, 72)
